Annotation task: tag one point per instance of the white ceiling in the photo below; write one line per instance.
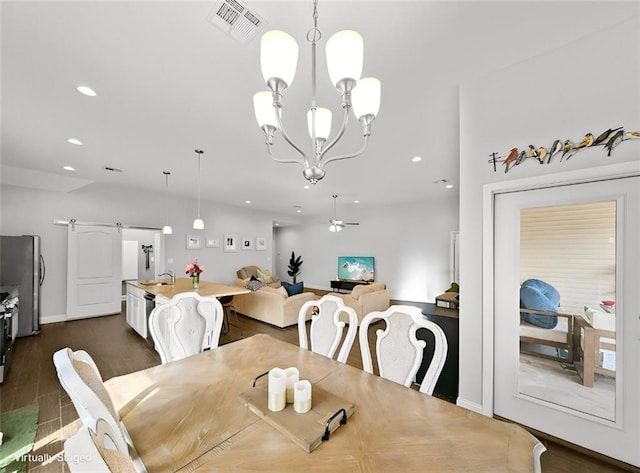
(169, 82)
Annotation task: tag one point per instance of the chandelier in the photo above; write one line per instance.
(278, 59)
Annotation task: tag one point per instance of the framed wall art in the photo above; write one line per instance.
(261, 244)
(229, 243)
(212, 242)
(194, 242)
(247, 244)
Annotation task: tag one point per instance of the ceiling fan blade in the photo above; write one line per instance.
(350, 223)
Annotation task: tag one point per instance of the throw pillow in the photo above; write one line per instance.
(254, 285)
(264, 276)
(293, 289)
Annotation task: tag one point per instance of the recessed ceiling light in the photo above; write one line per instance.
(88, 91)
(356, 201)
(307, 187)
(68, 168)
(416, 159)
(247, 201)
(74, 141)
(449, 186)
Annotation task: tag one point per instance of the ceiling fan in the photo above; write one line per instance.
(338, 225)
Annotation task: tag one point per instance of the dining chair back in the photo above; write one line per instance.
(97, 451)
(398, 350)
(185, 326)
(81, 380)
(327, 327)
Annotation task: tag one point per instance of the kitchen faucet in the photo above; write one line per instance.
(171, 274)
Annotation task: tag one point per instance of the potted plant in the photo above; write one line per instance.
(294, 266)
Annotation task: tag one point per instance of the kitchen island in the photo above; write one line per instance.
(144, 296)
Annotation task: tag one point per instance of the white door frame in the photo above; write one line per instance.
(489, 191)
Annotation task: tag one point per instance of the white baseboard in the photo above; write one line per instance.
(52, 319)
(472, 406)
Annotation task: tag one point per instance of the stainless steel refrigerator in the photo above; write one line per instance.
(22, 265)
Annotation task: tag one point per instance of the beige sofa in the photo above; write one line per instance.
(365, 298)
(247, 271)
(271, 305)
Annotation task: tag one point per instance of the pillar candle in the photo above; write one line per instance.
(277, 389)
(293, 376)
(302, 396)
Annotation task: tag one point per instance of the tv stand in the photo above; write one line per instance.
(337, 285)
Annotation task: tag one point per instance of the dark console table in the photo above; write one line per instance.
(338, 285)
(447, 319)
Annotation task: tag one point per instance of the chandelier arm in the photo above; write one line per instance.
(322, 160)
(294, 160)
(347, 156)
(285, 135)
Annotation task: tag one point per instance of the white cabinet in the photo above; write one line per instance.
(136, 310)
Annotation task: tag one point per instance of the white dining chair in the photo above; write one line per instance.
(186, 325)
(327, 327)
(398, 351)
(81, 380)
(96, 450)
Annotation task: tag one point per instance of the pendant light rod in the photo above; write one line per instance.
(198, 224)
(167, 230)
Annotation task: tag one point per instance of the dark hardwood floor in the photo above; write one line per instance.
(118, 350)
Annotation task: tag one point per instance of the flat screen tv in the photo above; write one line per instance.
(356, 268)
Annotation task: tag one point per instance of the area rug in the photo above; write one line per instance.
(19, 432)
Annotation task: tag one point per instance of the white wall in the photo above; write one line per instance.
(30, 211)
(589, 85)
(410, 243)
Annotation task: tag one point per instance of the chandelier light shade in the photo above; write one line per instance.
(198, 223)
(278, 56)
(166, 230)
(345, 56)
(263, 108)
(322, 122)
(366, 97)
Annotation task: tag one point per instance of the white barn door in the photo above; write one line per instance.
(94, 259)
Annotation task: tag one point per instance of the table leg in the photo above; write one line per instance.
(589, 357)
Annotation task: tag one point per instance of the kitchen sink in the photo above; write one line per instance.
(155, 283)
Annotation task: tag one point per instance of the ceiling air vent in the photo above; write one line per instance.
(235, 19)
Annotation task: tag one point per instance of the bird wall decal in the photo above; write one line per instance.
(604, 135)
(608, 139)
(567, 148)
(614, 141)
(556, 147)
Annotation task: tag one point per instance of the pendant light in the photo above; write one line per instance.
(198, 223)
(167, 230)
